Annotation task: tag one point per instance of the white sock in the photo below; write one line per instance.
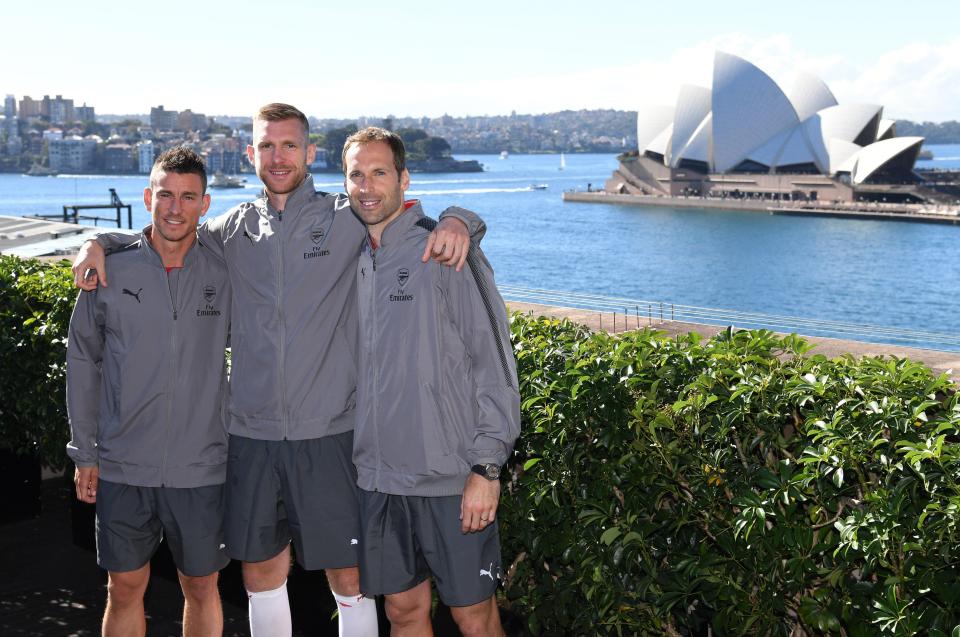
(270, 613)
(358, 616)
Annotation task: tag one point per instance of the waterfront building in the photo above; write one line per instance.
(162, 119)
(146, 153)
(222, 155)
(745, 136)
(118, 158)
(52, 134)
(14, 146)
(73, 154)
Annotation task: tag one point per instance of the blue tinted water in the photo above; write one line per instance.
(869, 272)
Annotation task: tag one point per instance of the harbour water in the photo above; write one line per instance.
(887, 274)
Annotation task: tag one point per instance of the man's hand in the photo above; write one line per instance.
(90, 260)
(478, 508)
(86, 479)
(448, 244)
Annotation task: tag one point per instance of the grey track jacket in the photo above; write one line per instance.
(146, 375)
(438, 380)
(294, 334)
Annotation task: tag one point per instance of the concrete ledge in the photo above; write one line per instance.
(940, 362)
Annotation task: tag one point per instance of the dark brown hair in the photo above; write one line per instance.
(377, 134)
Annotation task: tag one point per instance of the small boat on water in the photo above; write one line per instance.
(226, 181)
(37, 170)
(563, 162)
(504, 154)
(925, 154)
(537, 186)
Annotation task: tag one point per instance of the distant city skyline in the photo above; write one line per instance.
(431, 58)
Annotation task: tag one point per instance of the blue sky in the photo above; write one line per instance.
(428, 58)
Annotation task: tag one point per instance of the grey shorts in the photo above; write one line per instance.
(304, 491)
(406, 539)
(131, 522)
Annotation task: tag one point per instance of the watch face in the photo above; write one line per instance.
(492, 471)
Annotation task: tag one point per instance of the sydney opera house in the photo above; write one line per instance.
(747, 137)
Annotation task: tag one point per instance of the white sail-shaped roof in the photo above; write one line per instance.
(693, 106)
(809, 94)
(842, 155)
(797, 150)
(698, 148)
(661, 142)
(746, 116)
(873, 157)
(652, 119)
(886, 129)
(769, 152)
(813, 132)
(847, 121)
(748, 109)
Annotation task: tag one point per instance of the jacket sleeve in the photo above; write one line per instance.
(480, 317)
(211, 233)
(84, 356)
(113, 241)
(476, 227)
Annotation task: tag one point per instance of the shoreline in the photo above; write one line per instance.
(892, 212)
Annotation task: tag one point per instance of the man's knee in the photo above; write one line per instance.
(479, 619)
(409, 607)
(267, 575)
(200, 590)
(128, 587)
(344, 581)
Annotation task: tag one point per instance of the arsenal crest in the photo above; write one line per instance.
(316, 235)
(402, 275)
(209, 293)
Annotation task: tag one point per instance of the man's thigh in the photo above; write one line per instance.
(192, 522)
(255, 525)
(128, 529)
(390, 558)
(465, 566)
(319, 486)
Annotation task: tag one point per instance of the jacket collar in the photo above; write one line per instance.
(296, 200)
(397, 229)
(153, 257)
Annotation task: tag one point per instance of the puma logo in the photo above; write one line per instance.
(135, 295)
(489, 573)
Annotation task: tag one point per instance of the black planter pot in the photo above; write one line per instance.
(22, 474)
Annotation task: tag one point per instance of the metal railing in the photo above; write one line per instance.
(636, 313)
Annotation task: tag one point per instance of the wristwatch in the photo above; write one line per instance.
(488, 471)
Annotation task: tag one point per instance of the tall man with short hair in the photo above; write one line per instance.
(438, 408)
(292, 255)
(146, 385)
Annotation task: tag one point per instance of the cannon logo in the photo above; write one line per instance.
(209, 296)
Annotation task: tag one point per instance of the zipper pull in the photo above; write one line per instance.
(174, 315)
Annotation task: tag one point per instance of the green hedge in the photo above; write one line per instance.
(36, 300)
(665, 486)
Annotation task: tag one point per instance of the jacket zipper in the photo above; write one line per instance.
(171, 378)
(281, 319)
(372, 329)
